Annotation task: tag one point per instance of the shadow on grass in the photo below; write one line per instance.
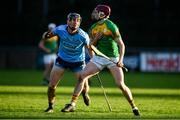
(132, 79)
(146, 95)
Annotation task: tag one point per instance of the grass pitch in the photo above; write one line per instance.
(23, 97)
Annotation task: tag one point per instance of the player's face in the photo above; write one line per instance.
(95, 15)
(74, 23)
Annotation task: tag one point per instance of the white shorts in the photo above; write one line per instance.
(102, 62)
(49, 58)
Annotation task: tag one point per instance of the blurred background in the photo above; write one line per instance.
(149, 28)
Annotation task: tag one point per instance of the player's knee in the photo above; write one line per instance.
(52, 85)
(80, 79)
(82, 76)
(122, 86)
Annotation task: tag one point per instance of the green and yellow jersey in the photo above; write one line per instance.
(51, 44)
(106, 44)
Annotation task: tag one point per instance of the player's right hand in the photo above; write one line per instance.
(48, 34)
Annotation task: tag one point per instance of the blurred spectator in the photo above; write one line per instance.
(49, 47)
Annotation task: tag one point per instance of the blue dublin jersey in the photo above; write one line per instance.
(71, 46)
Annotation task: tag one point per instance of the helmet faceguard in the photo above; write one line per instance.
(72, 16)
(104, 11)
(73, 21)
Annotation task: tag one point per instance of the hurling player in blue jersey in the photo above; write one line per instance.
(71, 55)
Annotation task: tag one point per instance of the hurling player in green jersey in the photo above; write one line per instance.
(49, 47)
(104, 34)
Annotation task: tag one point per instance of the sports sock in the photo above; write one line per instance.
(74, 100)
(50, 105)
(132, 103)
(51, 95)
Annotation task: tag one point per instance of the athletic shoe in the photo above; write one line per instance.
(86, 98)
(68, 108)
(49, 110)
(136, 111)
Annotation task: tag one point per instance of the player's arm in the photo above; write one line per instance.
(94, 38)
(121, 45)
(42, 44)
(90, 51)
(97, 37)
(88, 48)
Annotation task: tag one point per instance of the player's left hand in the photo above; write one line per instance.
(120, 64)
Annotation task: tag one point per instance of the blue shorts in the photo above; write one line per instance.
(73, 66)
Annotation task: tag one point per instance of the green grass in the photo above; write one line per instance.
(156, 94)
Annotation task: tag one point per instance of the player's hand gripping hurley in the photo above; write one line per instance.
(103, 55)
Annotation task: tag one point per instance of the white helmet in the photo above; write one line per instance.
(51, 25)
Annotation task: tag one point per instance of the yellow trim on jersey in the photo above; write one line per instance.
(54, 38)
(103, 29)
